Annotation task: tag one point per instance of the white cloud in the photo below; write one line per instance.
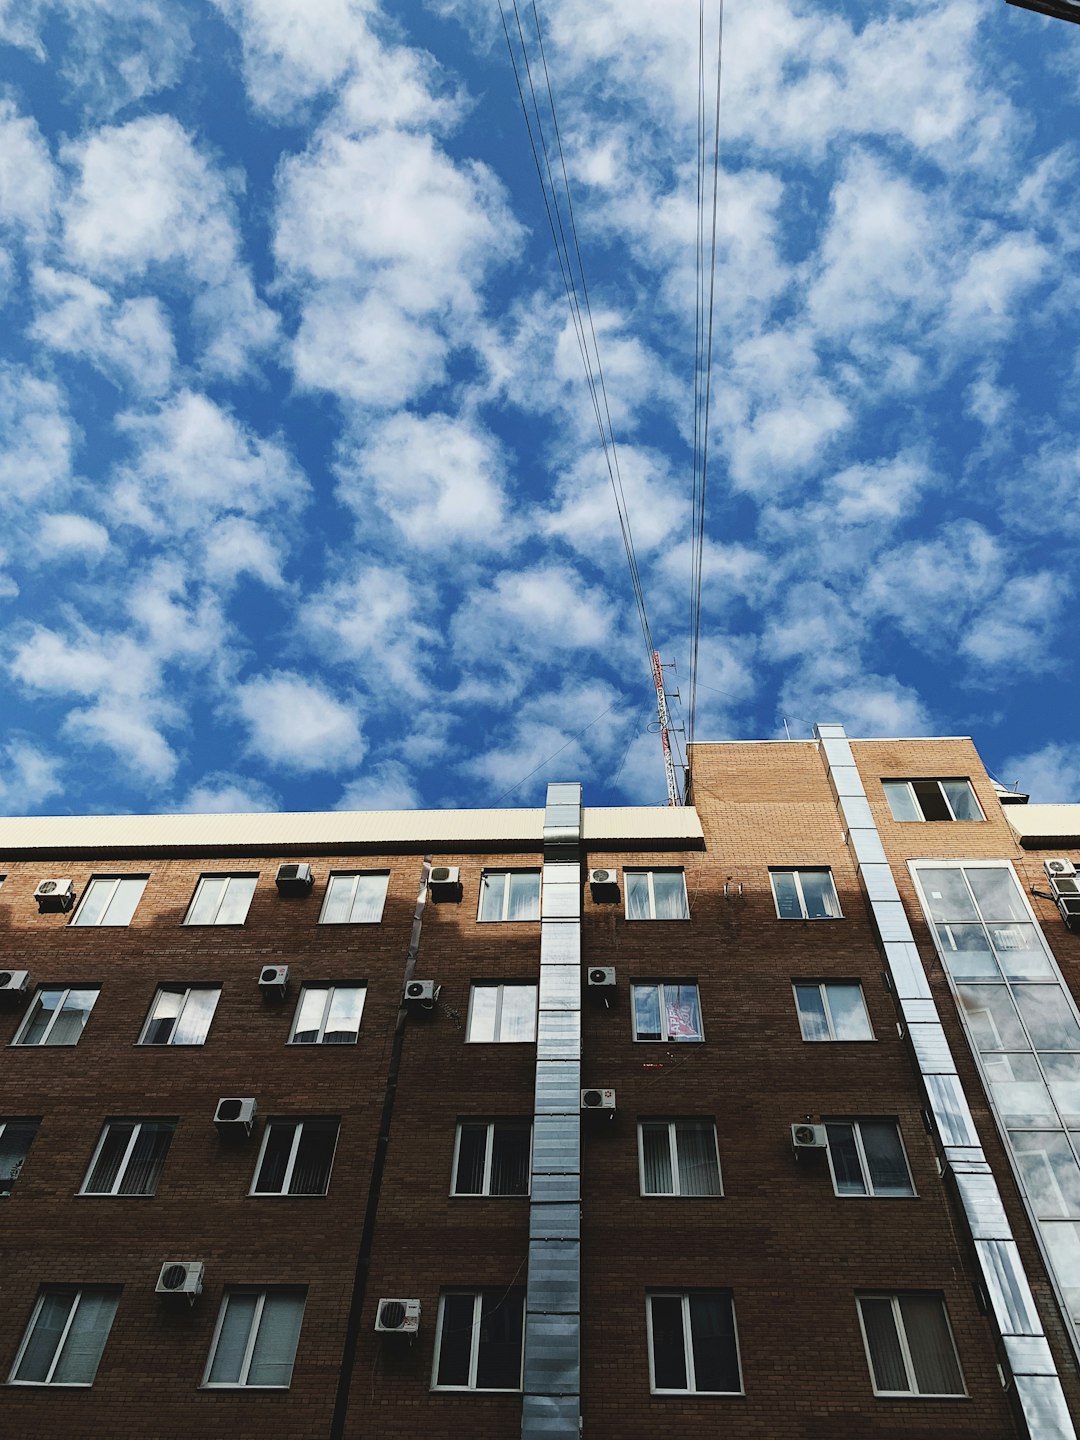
(27, 176)
(236, 546)
(1049, 774)
(77, 534)
(37, 439)
(223, 793)
(386, 786)
(366, 350)
(867, 706)
(132, 736)
(374, 621)
(30, 776)
(129, 340)
(298, 724)
(587, 518)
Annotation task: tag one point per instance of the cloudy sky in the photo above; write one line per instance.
(303, 503)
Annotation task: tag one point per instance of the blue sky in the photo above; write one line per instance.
(303, 504)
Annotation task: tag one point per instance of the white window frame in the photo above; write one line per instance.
(137, 1125)
(486, 1191)
(656, 870)
(335, 877)
(331, 991)
(797, 872)
(661, 986)
(75, 1293)
(64, 992)
(917, 805)
(823, 987)
(253, 1335)
(860, 1152)
(504, 918)
(673, 1149)
(501, 986)
(228, 877)
(905, 1350)
(688, 1344)
(23, 1122)
(474, 1344)
(186, 990)
(290, 1165)
(115, 881)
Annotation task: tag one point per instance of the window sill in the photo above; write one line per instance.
(657, 920)
(470, 1390)
(243, 1389)
(700, 1394)
(52, 1384)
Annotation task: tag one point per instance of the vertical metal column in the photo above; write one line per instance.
(1038, 1386)
(551, 1404)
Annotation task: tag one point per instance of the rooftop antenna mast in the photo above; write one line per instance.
(665, 728)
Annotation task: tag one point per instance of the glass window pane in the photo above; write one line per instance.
(1048, 1016)
(275, 1157)
(314, 1157)
(937, 1371)
(669, 1354)
(786, 891)
(1062, 1071)
(886, 1357)
(85, 1340)
(947, 895)
(524, 903)
(492, 895)
(338, 904)
(73, 1016)
(368, 898)
(16, 1138)
(275, 1344)
(234, 906)
(695, 1145)
(996, 893)
(1019, 1092)
(992, 1017)
(346, 1009)
(163, 1016)
(472, 1153)
(647, 1012)
(656, 1158)
(45, 1003)
(885, 1158)
(41, 1347)
(204, 907)
(844, 1157)
(901, 802)
(1063, 1243)
(669, 892)
(962, 799)
(1019, 951)
(966, 952)
(930, 800)
(848, 1010)
(97, 897)
(712, 1333)
(482, 1010)
(1051, 1174)
(309, 1015)
(819, 896)
(147, 1158)
(812, 1021)
(122, 905)
(196, 1016)
(510, 1150)
(232, 1339)
(498, 1360)
(518, 1022)
(682, 1012)
(637, 895)
(110, 1157)
(455, 1340)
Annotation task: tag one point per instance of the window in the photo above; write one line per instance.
(656, 895)
(16, 1137)
(693, 1348)
(56, 1017)
(355, 899)
(832, 1010)
(667, 1012)
(110, 900)
(867, 1157)
(65, 1337)
(909, 1345)
(678, 1157)
(491, 1157)
(328, 1015)
(255, 1338)
(510, 895)
(932, 800)
(478, 1340)
(805, 895)
(129, 1157)
(180, 1015)
(505, 1014)
(221, 900)
(295, 1157)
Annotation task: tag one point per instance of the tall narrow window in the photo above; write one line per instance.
(678, 1157)
(356, 899)
(504, 1014)
(832, 1010)
(129, 1157)
(180, 1015)
(510, 895)
(909, 1345)
(693, 1348)
(491, 1157)
(667, 1011)
(221, 900)
(805, 895)
(656, 895)
(56, 1017)
(478, 1340)
(867, 1157)
(255, 1340)
(296, 1157)
(65, 1337)
(110, 900)
(16, 1137)
(328, 1015)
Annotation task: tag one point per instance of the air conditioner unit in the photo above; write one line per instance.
(13, 982)
(444, 883)
(272, 981)
(53, 895)
(1069, 910)
(235, 1118)
(421, 994)
(1057, 867)
(181, 1277)
(809, 1137)
(601, 977)
(1065, 885)
(604, 884)
(598, 1100)
(294, 879)
(397, 1317)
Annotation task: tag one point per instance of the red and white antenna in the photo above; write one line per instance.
(665, 727)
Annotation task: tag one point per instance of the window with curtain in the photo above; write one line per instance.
(221, 900)
(805, 895)
(491, 1157)
(255, 1338)
(128, 1158)
(932, 800)
(832, 1010)
(693, 1346)
(509, 895)
(295, 1157)
(355, 899)
(656, 895)
(502, 1014)
(866, 1157)
(478, 1338)
(16, 1137)
(65, 1337)
(56, 1017)
(909, 1345)
(328, 1015)
(180, 1015)
(110, 900)
(667, 1011)
(678, 1157)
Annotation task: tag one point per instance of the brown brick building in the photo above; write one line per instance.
(765, 1131)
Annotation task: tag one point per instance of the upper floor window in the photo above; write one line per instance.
(491, 1157)
(180, 1015)
(693, 1348)
(510, 895)
(667, 1011)
(295, 1157)
(255, 1339)
(678, 1157)
(110, 900)
(478, 1340)
(221, 900)
(16, 1137)
(867, 1157)
(502, 1013)
(65, 1337)
(656, 895)
(56, 1017)
(832, 1010)
(328, 1015)
(129, 1157)
(909, 1345)
(932, 800)
(355, 899)
(805, 895)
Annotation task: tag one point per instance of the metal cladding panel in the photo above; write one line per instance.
(554, 1222)
(1010, 1294)
(564, 792)
(846, 782)
(558, 1087)
(856, 812)
(563, 817)
(838, 753)
(558, 1034)
(560, 942)
(560, 902)
(560, 987)
(966, 1160)
(878, 882)
(982, 1205)
(906, 969)
(552, 1355)
(548, 1189)
(949, 1107)
(891, 920)
(554, 1277)
(1029, 1354)
(1042, 1403)
(830, 732)
(866, 843)
(556, 1144)
(561, 873)
(545, 1415)
(931, 1049)
(919, 1012)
